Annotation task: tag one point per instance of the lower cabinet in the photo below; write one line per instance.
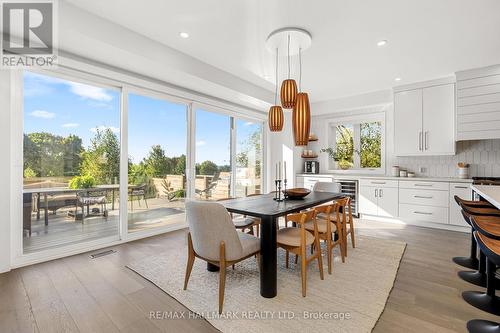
(424, 201)
(378, 198)
(464, 192)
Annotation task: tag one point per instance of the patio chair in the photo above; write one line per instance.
(211, 186)
(87, 198)
(137, 192)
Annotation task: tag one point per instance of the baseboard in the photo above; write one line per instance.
(442, 226)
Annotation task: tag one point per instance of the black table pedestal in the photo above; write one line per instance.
(268, 261)
(212, 267)
(483, 326)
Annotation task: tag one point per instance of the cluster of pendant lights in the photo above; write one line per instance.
(291, 98)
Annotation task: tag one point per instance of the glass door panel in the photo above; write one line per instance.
(71, 162)
(248, 158)
(213, 156)
(157, 141)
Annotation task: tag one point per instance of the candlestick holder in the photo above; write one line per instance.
(277, 196)
(285, 193)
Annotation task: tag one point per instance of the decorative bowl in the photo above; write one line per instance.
(296, 193)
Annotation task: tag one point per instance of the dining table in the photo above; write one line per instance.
(269, 210)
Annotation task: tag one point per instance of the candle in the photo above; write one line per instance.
(279, 169)
(276, 174)
(284, 168)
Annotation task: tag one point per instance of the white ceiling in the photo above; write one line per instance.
(427, 38)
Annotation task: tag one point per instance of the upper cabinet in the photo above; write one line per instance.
(424, 119)
(478, 104)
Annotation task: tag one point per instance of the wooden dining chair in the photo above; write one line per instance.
(327, 226)
(257, 220)
(213, 238)
(296, 240)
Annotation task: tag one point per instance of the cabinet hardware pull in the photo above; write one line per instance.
(420, 141)
(378, 183)
(422, 213)
(424, 185)
(422, 197)
(380, 193)
(465, 187)
(426, 140)
(376, 193)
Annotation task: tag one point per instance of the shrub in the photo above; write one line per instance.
(82, 182)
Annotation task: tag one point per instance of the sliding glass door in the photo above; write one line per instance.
(248, 158)
(157, 142)
(71, 162)
(213, 156)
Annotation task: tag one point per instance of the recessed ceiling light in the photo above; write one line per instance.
(184, 34)
(382, 42)
(397, 79)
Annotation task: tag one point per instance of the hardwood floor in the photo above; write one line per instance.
(79, 294)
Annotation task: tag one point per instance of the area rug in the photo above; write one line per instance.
(350, 300)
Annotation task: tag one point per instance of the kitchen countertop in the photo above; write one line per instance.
(361, 176)
(489, 192)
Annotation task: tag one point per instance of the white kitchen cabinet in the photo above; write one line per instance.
(367, 200)
(408, 122)
(424, 119)
(423, 201)
(464, 192)
(438, 120)
(387, 202)
(378, 197)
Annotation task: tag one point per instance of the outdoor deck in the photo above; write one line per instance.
(63, 230)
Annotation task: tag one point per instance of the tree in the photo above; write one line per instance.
(102, 158)
(179, 164)
(251, 147)
(156, 163)
(46, 154)
(208, 168)
(371, 141)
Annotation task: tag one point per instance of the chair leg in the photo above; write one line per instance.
(190, 261)
(257, 227)
(303, 271)
(222, 275)
(320, 259)
(145, 201)
(296, 259)
(329, 254)
(351, 230)
(287, 256)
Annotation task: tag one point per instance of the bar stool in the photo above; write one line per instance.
(473, 208)
(489, 226)
(488, 301)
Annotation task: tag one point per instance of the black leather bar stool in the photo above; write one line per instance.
(473, 208)
(488, 301)
(486, 225)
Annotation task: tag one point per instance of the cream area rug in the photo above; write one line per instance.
(350, 300)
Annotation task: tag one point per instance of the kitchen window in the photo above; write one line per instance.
(356, 143)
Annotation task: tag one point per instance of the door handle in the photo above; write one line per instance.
(426, 140)
(380, 193)
(420, 141)
(376, 193)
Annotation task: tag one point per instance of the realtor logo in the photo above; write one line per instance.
(28, 34)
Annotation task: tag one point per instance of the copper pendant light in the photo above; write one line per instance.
(288, 87)
(275, 116)
(301, 116)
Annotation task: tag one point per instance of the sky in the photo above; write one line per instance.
(64, 107)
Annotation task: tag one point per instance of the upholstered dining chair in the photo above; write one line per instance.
(296, 240)
(243, 222)
(213, 238)
(327, 187)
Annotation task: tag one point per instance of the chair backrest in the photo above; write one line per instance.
(210, 224)
(326, 187)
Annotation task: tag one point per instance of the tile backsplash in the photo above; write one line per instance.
(482, 155)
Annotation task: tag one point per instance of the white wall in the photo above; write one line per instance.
(5, 168)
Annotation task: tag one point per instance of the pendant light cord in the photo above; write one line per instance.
(300, 69)
(276, 86)
(288, 56)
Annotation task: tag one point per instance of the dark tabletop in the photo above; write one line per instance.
(265, 206)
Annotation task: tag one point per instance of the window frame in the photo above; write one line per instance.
(125, 82)
(356, 120)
